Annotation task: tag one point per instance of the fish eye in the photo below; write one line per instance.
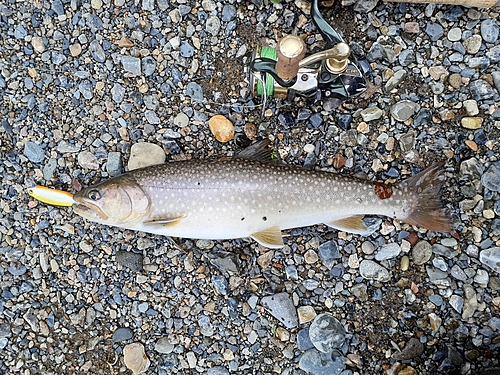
(94, 195)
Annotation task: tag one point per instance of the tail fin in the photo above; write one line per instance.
(428, 211)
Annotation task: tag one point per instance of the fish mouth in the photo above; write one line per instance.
(89, 211)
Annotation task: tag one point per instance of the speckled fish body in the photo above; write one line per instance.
(241, 197)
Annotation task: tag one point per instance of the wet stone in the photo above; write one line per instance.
(122, 334)
(87, 160)
(395, 80)
(327, 333)
(34, 152)
(281, 307)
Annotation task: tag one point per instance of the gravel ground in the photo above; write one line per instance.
(83, 81)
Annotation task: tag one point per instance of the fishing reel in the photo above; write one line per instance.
(286, 69)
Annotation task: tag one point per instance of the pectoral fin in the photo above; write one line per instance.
(165, 222)
(270, 238)
(351, 224)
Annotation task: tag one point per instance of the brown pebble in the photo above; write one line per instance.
(250, 130)
(124, 42)
(221, 128)
(339, 161)
(75, 49)
(412, 27)
(455, 80)
(471, 144)
(412, 238)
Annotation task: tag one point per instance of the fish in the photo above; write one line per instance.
(249, 195)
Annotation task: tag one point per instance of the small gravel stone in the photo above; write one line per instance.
(489, 30)
(371, 113)
(457, 303)
(87, 160)
(315, 362)
(195, 92)
(434, 30)
(491, 178)
(326, 333)
(306, 314)
(122, 334)
(114, 165)
(404, 109)
(131, 260)
(472, 122)
(329, 253)
(220, 284)
(281, 307)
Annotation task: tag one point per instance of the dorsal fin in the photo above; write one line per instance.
(259, 150)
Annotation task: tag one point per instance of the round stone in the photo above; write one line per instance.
(75, 49)
(373, 271)
(455, 34)
(221, 128)
(422, 252)
(327, 333)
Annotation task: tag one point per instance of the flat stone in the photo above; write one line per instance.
(491, 258)
(132, 64)
(195, 92)
(97, 51)
(404, 109)
(413, 349)
(34, 152)
(491, 178)
(373, 271)
(220, 284)
(454, 34)
(87, 160)
(38, 44)
(122, 334)
(329, 254)
(281, 307)
(131, 260)
(151, 117)
(470, 301)
(371, 113)
(471, 122)
(144, 154)
(388, 251)
(327, 333)
(135, 358)
(471, 107)
(315, 362)
(395, 80)
(217, 370)
(306, 314)
(481, 90)
(212, 25)
(114, 165)
(457, 303)
(434, 30)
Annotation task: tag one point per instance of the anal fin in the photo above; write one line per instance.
(270, 237)
(351, 224)
(165, 222)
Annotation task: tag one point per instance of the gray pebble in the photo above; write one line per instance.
(404, 109)
(217, 370)
(131, 64)
(34, 152)
(49, 169)
(97, 51)
(489, 30)
(329, 254)
(481, 90)
(303, 340)
(315, 362)
(281, 307)
(491, 258)
(457, 303)
(373, 271)
(114, 164)
(494, 54)
(326, 333)
(122, 334)
(228, 12)
(388, 251)
(395, 80)
(152, 117)
(491, 178)
(131, 260)
(434, 30)
(117, 92)
(148, 65)
(64, 147)
(17, 269)
(220, 284)
(164, 346)
(371, 113)
(195, 92)
(213, 25)
(20, 32)
(86, 89)
(186, 49)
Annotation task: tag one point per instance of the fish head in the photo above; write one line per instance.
(119, 201)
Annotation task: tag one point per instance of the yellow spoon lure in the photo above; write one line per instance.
(50, 196)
